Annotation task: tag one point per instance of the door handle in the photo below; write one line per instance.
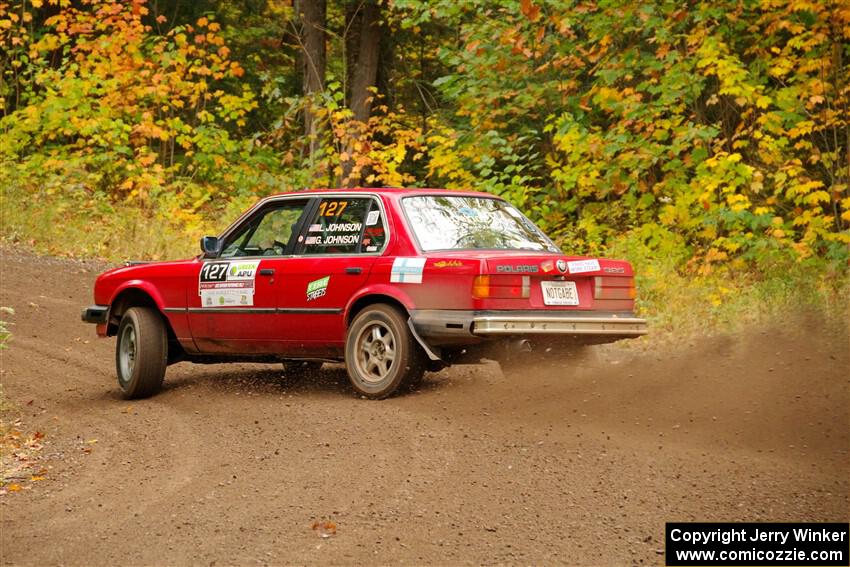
(353, 271)
(266, 271)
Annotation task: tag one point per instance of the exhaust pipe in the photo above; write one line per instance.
(520, 345)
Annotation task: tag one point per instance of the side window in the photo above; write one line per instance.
(374, 235)
(352, 225)
(270, 233)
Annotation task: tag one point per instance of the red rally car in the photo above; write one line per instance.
(392, 281)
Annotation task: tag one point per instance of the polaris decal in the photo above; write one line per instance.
(520, 269)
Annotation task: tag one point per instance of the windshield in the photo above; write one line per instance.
(472, 223)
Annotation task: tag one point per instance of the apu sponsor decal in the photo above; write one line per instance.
(617, 270)
(242, 270)
(581, 266)
(448, 264)
(407, 270)
(317, 288)
(518, 269)
(225, 284)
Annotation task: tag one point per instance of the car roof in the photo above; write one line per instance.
(391, 191)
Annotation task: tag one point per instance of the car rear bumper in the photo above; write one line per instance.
(95, 314)
(558, 325)
(445, 327)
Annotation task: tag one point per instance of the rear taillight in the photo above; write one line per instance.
(481, 287)
(501, 287)
(613, 288)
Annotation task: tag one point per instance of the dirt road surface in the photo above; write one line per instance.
(233, 464)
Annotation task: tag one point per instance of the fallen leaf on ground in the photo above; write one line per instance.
(324, 529)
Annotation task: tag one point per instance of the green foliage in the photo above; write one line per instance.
(686, 303)
(707, 143)
(130, 115)
(724, 123)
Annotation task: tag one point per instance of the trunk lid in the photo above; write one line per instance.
(554, 282)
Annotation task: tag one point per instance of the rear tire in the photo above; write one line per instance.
(141, 352)
(381, 354)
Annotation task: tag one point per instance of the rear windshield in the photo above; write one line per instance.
(472, 223)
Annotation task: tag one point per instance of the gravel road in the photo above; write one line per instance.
(233, 464)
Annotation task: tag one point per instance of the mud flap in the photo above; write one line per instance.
(428, 349)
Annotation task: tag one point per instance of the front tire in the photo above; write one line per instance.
(141, 353)
(381, 353)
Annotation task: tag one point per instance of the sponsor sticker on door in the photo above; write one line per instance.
(227, 284)
(317, 288)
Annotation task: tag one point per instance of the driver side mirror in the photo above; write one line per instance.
(210, 246)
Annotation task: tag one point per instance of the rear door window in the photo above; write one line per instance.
(348, 225)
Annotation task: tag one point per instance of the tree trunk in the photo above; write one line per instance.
(312, 15)
(366, 70)
(364, 74)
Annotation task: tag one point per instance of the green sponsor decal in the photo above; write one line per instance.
(317, 288)
(243, 270)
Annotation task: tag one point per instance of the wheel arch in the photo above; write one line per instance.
(400, 301)
(372, 298)
(124, 300)
(138, 296)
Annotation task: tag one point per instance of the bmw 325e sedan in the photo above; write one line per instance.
(393, 282)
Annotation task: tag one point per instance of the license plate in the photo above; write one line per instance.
(559, 293)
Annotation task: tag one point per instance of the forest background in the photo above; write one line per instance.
(708, 142)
